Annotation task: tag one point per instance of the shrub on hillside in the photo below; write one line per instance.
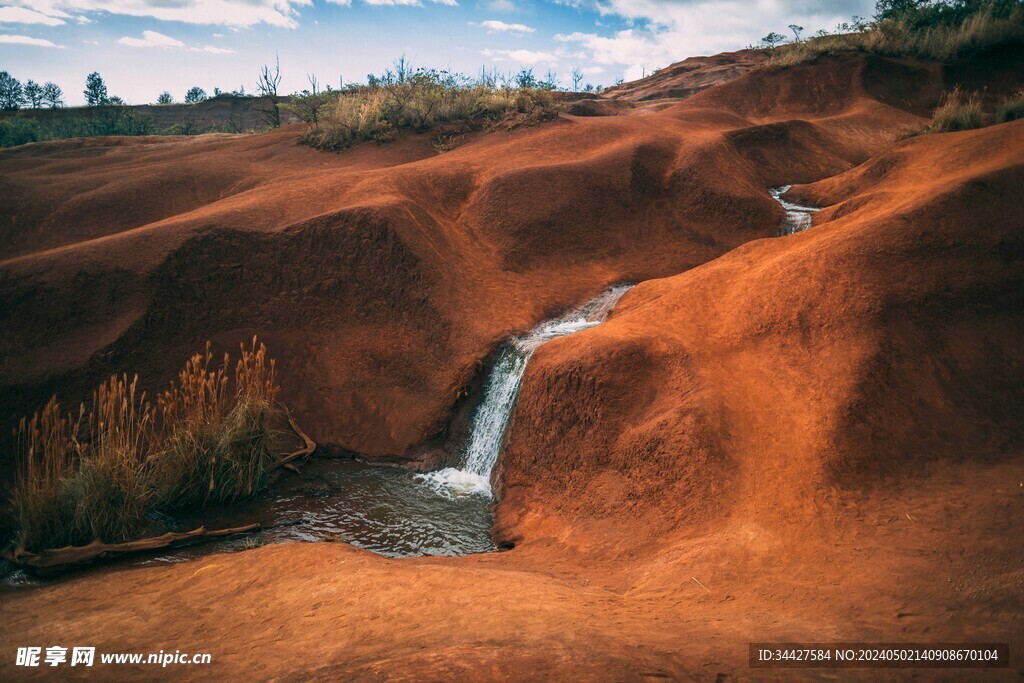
(939, 31)
(420, 100)
(90, 122)
(17, 130)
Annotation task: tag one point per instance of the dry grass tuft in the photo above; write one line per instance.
(958, 111)
(98, 472)
(48, 444)
(1011, 108)
(217, 447)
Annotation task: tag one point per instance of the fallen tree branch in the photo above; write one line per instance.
(71, 556)
(306, 450)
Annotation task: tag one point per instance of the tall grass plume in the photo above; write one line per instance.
(98, 472)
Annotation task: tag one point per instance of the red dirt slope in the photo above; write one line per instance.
(884, 340)
(381, 278)
(810, 438)
(690, 76)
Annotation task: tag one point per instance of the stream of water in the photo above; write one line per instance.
(798, 217)
(398, 513)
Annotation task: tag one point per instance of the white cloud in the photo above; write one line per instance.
(213, 50)
(230, 13)
(404, 3)
(21, 15)
(507, 6)
(628, 47)
(155, 39)
(493, 25)
(522, 57)
(281, 13)
(26, 40)
(152, 39)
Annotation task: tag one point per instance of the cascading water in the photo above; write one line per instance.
(798, 217)
(492, 417)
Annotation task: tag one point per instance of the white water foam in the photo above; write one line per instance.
(798, 217)
(492, 417)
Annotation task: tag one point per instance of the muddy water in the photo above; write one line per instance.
(383, 509)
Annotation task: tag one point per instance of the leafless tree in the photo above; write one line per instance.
(577, 78)
(266, 86)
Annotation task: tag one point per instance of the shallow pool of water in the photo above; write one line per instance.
(388, 510)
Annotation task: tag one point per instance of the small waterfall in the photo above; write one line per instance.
(798, 218)
(492, 416)
(495, 410)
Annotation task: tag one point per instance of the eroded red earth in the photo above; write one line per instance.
(809, 438)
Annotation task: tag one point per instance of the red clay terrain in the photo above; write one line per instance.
(688, 77)
(810, 438)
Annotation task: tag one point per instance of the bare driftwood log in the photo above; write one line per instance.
(62, 558)
(307, 449)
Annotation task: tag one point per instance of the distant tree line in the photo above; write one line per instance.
(15, 95)
(195, 95)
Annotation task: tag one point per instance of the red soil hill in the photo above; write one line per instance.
(382, 277)
(808, 438)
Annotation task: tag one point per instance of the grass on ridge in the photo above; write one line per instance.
(958, 111)
(926, 33)
(421, 100)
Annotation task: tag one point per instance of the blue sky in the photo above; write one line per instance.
(142, 47)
